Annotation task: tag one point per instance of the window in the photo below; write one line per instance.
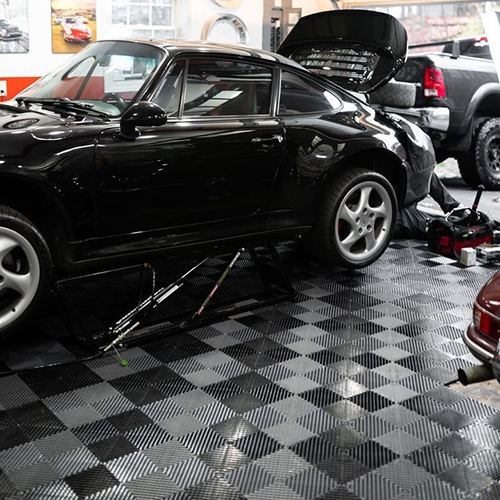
(302, 96)
(168, 94)
(145, 18)
(107, 75)
(226, 88)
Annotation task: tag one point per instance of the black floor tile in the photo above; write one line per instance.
(339, 396)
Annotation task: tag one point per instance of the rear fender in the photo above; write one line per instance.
(484, 103)
(379, 160)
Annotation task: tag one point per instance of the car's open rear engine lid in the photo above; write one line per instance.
(357, 49)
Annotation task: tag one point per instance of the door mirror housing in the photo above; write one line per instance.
(141, 114)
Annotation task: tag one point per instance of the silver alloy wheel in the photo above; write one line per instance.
(363, 221)
(19, 275)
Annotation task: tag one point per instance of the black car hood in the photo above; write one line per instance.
(359, 50)
(38, 124)
(20, 127)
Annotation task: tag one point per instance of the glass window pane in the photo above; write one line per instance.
(161, 16)
(225, 88)
(141, 33)
(302, 96)
(107, 75)
(119, 12)
(164, 33)
(139, 14)
(168, 94)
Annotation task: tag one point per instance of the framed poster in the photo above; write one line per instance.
(73, 25)
(14, 35)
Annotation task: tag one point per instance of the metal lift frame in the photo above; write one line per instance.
(133, 328)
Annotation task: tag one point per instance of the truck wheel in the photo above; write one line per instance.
(356, 221)
(25, 269)
(487, 153)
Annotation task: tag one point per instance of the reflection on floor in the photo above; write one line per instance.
(339, 396)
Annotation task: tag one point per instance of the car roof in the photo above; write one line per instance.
(176, 46)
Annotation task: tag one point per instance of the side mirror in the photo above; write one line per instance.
(141, 114)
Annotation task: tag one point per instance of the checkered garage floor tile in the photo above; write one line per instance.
(341, 395)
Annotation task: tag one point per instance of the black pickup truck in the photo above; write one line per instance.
(454, 95)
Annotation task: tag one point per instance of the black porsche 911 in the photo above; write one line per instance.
(135, 147)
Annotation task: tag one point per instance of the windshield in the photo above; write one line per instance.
(3, 22)
(107, 75)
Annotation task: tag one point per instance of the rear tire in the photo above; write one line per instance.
(25, 269)
(487, 154)
(356, 220)
(468, 169)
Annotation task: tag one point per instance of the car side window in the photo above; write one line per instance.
(226, 88)
(168, 93)
(299, 95)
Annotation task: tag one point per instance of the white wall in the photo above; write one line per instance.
(192, 15)
(191, 18)
(312, 6)
(39, 60)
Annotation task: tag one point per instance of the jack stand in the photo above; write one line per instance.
(140, 325)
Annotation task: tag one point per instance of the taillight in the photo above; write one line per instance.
(480, 39)
(434, 83)
(486, 324)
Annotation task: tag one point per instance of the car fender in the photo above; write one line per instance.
(38, 200)
(482, 94)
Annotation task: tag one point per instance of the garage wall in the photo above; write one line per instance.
(192, 16)
(312, 6)
(19, 70)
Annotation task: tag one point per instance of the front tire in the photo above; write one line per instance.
(25, 269)
(356, 221)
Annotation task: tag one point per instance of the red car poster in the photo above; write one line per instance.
(73, 25)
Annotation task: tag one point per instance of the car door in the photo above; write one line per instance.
(214, 160)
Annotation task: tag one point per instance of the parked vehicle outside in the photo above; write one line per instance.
(483, 333)
(137, 148)
(457, 102)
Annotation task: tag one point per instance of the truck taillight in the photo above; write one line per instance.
(434, 83)
(486, 324)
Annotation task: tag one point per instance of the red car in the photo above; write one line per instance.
(484, 332)
(74, 30)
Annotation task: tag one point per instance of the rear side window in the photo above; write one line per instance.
(227, 88)
(303, 96)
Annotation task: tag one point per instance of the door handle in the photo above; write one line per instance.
(270, 138)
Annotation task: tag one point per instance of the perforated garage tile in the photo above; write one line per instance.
(339, 396)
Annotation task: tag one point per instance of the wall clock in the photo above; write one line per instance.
(229, 3)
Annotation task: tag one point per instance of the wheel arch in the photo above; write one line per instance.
(379, 160)
(485, 103)
(42, 207)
